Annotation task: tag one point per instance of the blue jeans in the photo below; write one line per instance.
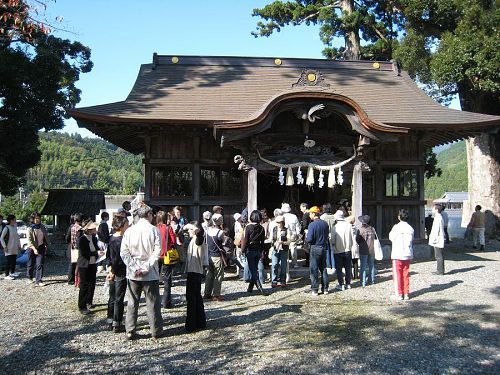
(278, 267)
(317, 263)
(367, 260)
(253, 260)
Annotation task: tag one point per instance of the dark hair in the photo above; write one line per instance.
(403, 214)
(126, 203)
(78, 217)
(161, 217)
(179, 208)
(255, 216)
(305, 205)
(33, 216)
(327, 208)
(104, 214)
(478, 208)
(119, 221)
(10, 217)
(438, 207)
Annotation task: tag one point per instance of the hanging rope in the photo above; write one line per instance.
(310, 165)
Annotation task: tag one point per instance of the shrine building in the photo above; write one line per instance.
(237, 131)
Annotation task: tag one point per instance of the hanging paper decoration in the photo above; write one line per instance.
(300, 179)
(331, 178)
(281, 177)
(289, 177)
(321, 180)
(310, 177)
(340, 177)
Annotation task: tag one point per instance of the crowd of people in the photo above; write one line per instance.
(143, 249)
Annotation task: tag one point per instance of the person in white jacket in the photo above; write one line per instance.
(293, 225)
(437, 238)
(401, 236)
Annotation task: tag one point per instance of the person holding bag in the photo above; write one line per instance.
(169, 255)
(215, 273)
(37, 249)
(365, 237)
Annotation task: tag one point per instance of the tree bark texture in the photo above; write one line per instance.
(352, 41)
(483, 164)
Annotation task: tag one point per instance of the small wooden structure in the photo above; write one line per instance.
(62, 203)
(193, 117)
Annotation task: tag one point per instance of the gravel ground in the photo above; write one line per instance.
(450, 325)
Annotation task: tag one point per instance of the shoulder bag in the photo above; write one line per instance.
(379, 254)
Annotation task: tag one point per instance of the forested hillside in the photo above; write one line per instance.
(453, 163)
(70, 161)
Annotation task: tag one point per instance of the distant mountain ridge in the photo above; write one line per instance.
(453, 163)
(71, 161)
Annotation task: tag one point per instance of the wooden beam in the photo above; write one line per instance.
(252, 190)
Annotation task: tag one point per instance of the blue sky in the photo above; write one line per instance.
(123, 35)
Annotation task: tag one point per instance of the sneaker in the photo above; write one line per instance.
(10, 277)
(39, 284)
(396, 297)
(131, 335)
(340, 287)
(325, 291)
(406, 297)
(118, 329)
(314, 293)
(15, 274)
(348, 286)
(85, 311)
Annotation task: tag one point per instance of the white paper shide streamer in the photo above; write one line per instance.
(289, 177)
(281, 177)
(340, 178)
(321, 180)
(331, 178)
(300, 179)
(310, 177)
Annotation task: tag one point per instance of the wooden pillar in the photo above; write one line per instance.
(357, 192)
(252, 190)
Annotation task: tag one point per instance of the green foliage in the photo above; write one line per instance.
(37, 84)
(373, 20)
(70, 161)
(453, 163)
(22, 210)
(431, 168)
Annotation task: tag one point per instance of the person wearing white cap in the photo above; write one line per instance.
(207, 215)
(293, 225)
(88, 251)
(280, 246)
(342, 240)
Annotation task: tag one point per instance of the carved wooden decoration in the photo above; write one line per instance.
(311, 77)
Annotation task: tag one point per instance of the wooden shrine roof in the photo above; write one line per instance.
(233, 90)
(70, 201)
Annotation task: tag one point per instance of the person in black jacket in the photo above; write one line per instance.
(88, 252)
(252, 245)
(117, 275)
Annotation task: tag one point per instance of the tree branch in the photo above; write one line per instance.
(331, 6)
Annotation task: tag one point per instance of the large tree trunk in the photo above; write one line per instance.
(483, 164)
(352, 42)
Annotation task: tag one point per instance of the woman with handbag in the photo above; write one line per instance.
(169, 255)
(37, 249)
(195, 318)
(216, 259)
(365, 237)
(252, 245)
(87, 268)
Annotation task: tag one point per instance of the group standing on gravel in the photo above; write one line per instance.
(145, 248)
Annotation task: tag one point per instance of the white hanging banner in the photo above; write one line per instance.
(340, 178)
(310, 177)
(281, 177)
(331, 178)
(289, 177)
(321, 180)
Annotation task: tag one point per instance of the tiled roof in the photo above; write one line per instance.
(70, 201)
(215, 90)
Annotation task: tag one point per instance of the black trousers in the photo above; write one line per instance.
(343, 260)
(166, 300)
(87, 285)
(71, 273)
(10, 267)
(34, 268)
(195, 318)
(117, 289)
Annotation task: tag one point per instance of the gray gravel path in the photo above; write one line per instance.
(451, 325)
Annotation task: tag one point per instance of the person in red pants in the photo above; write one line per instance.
(401, 236)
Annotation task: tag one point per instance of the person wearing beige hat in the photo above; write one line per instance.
(280, 246)
(88, 252)
(342, 240)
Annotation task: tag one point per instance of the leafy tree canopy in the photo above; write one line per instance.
(38, 73)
